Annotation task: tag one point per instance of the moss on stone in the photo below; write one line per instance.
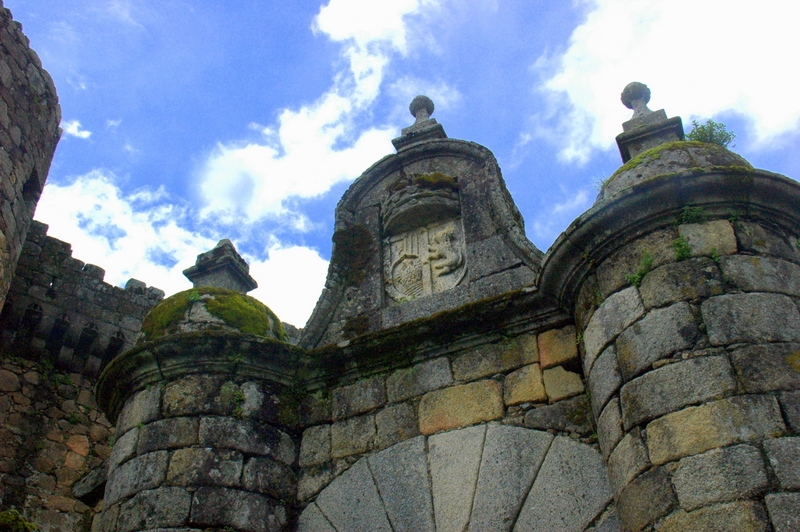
(12, 521)
(436, 180)
(353, 249)
(239, 311)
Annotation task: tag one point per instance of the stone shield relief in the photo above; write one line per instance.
(424, 260)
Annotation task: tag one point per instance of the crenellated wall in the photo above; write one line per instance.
(59, 309)
(29, 132)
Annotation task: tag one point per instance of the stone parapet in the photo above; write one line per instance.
(60, 310)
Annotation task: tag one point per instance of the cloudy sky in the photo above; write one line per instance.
(190, 121)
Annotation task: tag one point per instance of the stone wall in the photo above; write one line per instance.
(52, 437)
(59, 309)
(29, 118)
(531, 380)
(691, 341)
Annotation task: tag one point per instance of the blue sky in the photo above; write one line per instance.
(190, 121)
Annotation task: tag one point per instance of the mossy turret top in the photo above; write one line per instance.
(211, 309)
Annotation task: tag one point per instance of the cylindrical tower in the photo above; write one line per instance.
(685, 282)
(204, 418)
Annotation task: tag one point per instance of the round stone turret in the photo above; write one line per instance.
(670, 158)
(211, 309)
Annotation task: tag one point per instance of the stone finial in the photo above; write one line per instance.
(222, 267)
(635, 96)
(646, 129)
(421, 108)
(424, 127)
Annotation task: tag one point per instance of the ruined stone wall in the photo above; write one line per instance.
(52, 437)
(691, 337)
(29, 118)
(59, 309)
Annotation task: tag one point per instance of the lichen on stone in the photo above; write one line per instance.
(353, 248)
(435, 180)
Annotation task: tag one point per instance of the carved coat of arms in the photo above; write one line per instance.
(424, 260)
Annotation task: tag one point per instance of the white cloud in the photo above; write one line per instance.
(313, 148)
(73, 128)
(290, 281)
(700, 59)
(549, 223)
(142, 235)
(113, 123)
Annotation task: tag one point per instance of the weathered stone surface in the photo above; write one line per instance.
(784, 457)
(498, 494)
(143, 407)
(524, 386)
(460, 406)
(395, 423)
(454, 459)
(197, 466)
(570, 415)
(609, 427)
(719, 475)
(627, 460)
(313, 520)
(769, 367)
(270, 477)
(247, 436)
(140, 473)
(9, 382)
(761, 240)
(741, 516)
(709, 238)
(658, 335)
(490, 359)
(401, 475)
(242, 510)
(558, 346)
(315, 447)
(353, 436)
(163, 507)
(605, 379)
(194, 394)
(681, 281)
(354, 504)
(419, 379)
(610, 319)
(790, 405)
(784, 511)
(124, 448)
(645, 500)
(751, 318)
(168, 433)
(697, 429)
(611, 274)
(363, 396)
(561, 384)
(671, 387)
(762, 274)
(609, 522)
(570, 490)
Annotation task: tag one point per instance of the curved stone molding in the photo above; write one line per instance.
(486, 477)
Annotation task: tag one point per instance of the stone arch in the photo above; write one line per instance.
(487, 477)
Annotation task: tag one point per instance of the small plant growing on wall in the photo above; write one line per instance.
(711, 132)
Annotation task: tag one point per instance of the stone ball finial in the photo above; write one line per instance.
(634, 92)
(421, 107)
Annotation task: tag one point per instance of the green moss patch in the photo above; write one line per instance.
(12, 521)
(436, 180)
(239, 311)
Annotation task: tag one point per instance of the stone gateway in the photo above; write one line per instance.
(643, 374)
